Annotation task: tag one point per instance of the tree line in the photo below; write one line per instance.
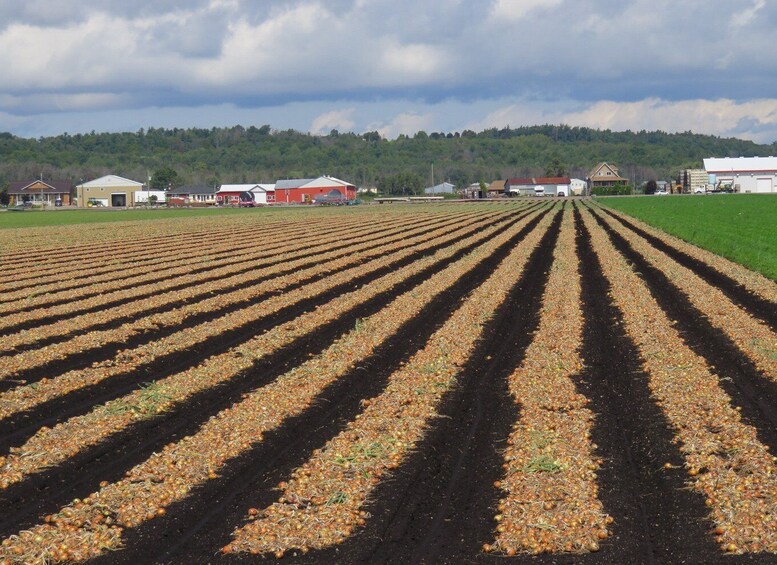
(198, 156)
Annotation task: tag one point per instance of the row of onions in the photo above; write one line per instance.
(724, 459)
(199, 296)
(25, 397)
(93, 525)
(50, 446)
(550, 501)
(323, 501)
(752, 337)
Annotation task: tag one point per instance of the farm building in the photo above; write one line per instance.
(471, 192)
(539, 186)
(693, 180)
(442, 188)
(46, 193)
(577, 186)
(291, 191)
(743, 174)
(497, 187)
(198, 195)
(245, 194)
(604, 175)
(110, 190)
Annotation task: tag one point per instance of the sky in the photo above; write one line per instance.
(392, 66)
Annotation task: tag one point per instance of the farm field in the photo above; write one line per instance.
(64, 217)
(538, 380)
(740, 227)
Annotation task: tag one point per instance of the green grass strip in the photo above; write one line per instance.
(740, 227)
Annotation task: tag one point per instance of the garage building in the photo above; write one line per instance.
(110, 190)
(743, 174)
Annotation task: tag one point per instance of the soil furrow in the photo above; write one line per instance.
(136, 443)
(165, 304)
(114, 270)
(17, 428)
(199, 523)
(108, 350)
(753, 393)
(635, 439)
(756, 305)
(143, 287)
(440, 506)
(724, 460)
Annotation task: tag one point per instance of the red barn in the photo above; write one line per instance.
(308, 190)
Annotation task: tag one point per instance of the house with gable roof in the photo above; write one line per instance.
(46, 193)
(604, 175)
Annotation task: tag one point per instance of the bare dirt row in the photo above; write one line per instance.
(547, 384)
(187, 294)
(508, 236)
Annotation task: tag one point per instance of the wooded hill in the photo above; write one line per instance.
(261, 154)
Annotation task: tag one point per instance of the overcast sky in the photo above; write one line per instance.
(396, 66)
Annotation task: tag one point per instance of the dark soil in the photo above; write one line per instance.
(197, 527)
(756, 305)
(438, 506)
(754, 393)
(242, 256)
(45, 492)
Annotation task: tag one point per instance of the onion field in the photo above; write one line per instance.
(543, 381)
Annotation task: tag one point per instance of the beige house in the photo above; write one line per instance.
(110, 190)
(605, 174)
(40, 193)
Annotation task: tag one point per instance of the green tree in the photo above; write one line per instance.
(5, 198)
(164, 178)
(555, 168)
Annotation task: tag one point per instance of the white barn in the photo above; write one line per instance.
(442, 188)
(235, 193)
(743, 174)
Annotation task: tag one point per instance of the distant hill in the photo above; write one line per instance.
(261, 154)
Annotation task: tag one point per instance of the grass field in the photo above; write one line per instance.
(741, 227)
(42, 218)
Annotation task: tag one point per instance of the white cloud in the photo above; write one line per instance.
(755, 119)
(518, 9)
(336, 119)
(405, 123)
(744, 17)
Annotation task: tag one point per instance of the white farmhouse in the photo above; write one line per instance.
(743, 174)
